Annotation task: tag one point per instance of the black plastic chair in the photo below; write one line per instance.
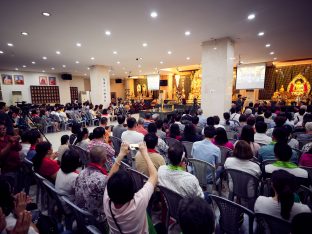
(245, 187)
(188, 148)
(271, 224)
(27, 174)
(41, 195)
(138, 178)
(172, 200)
(116, 144)
(171, 141)
(225, 153)
(231, 215)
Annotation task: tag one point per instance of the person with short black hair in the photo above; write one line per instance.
(174, 132)
(177, 120)
(221, 139)
(25, 135)
(260, 137)
(268, 119)
(119, 128)
(279, 121)
(283, 204)
(83, 139)
(63, 147)
(174, 176)
(190, 134)
(196, 216)
(34, 139)
(247, 135)
(161, 146)
(131, 136)
(160, 133)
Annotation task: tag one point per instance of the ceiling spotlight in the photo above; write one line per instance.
(63, 66)
(275, 58)
(144, 44)
(154, 14)
(272, 52)
(267, 45)
(88, 68)
(92, 58)
(10, 44)
(44, 58)
(107, 33)
(78, 44)
(16, 69)
(33, 62)
(46, 14)
(188, 58)
(114, 52)
(85, 74)
(52, 68)
(24, 66)
(43, 70)
(187, 33)
(58, 52)
(215, 48)
(260, 34)
(1, 52)
(251, 16)
(169, 52)
(118, 62)
(161, 62)
(24, 33)
(77, 62)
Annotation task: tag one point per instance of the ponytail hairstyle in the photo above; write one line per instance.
(227, 116)
(284, 185)
(42, 149)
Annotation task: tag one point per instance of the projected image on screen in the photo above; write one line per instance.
(250, 76)
(153, 82)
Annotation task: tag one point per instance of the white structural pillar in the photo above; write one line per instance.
(217, 76)
(100, 85)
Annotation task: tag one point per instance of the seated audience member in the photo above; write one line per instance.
(25, 143)
(251, 121)
(186, 117)
(292, 142)
(161, 146)
(98, 140)
(140, 127)
(44, 161)
(151, 141)
(279, 121)
(147, 120)
(307, 136)
(174, 176)
(283, 154)
(190, 134)
(221, 139)
(248, 112)
(210, 123)
(267, 152)
(248, 136)
(195, 122)
(306, 158)
(241, 159)
(119, 128)
(83, 139)
(131, 136)
(227, 122)
(217, 122)
(75, 129)
(125, 208)
(282, 205)
(268, 119)
(5, 119)
(235, 113)
(290, 121)
(90, 184)
(298, 117)
(301, 223)
(14, 218)
(67, 174)
(202, 119)
(260, 137)
(177, 120)
(63, 147)
(196, 216)
(174, 132)
(205, 150)
(34, 139)
(160, 133)
(242, 120)
(103, 124)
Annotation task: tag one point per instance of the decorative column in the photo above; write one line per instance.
(100, 85)
(217, 76)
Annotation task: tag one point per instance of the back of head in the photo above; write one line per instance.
(210, 121)
(76, 128)
(267, 114)
(243, 150)
(64, 139)
(279, 134)
(221, 137)
(2, 105)
(120, 188)
(242, 118)
(175, 153)
(140, 121)
(152, 128)
(177, 117)
(259, 118)
(98, 155)
(216, 119)
(189, 130)
(98, 132)
(151, 140)
(195, 120)
(282, 151)
(104, 120)
(247, 134)
(199, 111)
(251, 121)
(226, 115)
(308, 126)
(42, 149)
(159, 123)
(284, 184)
(280, 120)
(121, 119)
(196, 216)
(174, 130)
(148, 116)
(232, 110)
(70, 161)
(209, 132)
(34, 136)
(131, 122)
(261, 127)
(302, 111)
(25, 135)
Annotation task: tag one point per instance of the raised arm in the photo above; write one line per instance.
(124, 150)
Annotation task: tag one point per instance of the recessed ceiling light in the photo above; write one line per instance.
(44, 58)
(169, 52)
(24, 33)
(92, 58)
(272, 52)
(154, 14)
(10, 44)
(260, 34)
(58, 52)
(187, 33)
(46, 14)
(43, 70)
(24, 66)
(64, 66)
(251, 16)
(1, 52)
(215, 48)
(267, 45)
(118, 62)
(77, 62)
(114, 52)
(52, 68)
(33, 62)
(161, 62)
(78, 44)
(107, 33)
(16, 69)
(88, 68)
(144, 44)
(188, 58)
(85, 74)
(275, 58)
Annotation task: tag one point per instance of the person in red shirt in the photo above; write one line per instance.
(140, 127)
(44, 162)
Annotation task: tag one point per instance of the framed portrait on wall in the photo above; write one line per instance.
(52, 80)
(6, 79)
(43, 80)
(18, 79)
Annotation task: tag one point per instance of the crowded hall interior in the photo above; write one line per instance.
(155, 116)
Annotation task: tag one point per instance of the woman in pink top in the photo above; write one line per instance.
(221, 139)
(306, 159)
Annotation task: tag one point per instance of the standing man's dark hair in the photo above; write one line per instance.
(131, 122)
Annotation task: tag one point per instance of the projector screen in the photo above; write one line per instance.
(153, 82)
(250, 76)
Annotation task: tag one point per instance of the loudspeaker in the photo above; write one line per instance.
(66, 76)
(118, 81)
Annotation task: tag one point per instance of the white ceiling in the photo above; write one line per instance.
(286, 23)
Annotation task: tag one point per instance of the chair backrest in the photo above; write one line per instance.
(172, 201)
(116, 144)
(302, 143)
(266, 162)
(232, 134)
(305, 195)
(51, 191)
(201, 169)
(225, 152)
(83, 154)
(231, 215)
(309, 170)
(138, 178)
(188, 148)
(170, 141)
(93, 230)
(270, 224)
(28, 165)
